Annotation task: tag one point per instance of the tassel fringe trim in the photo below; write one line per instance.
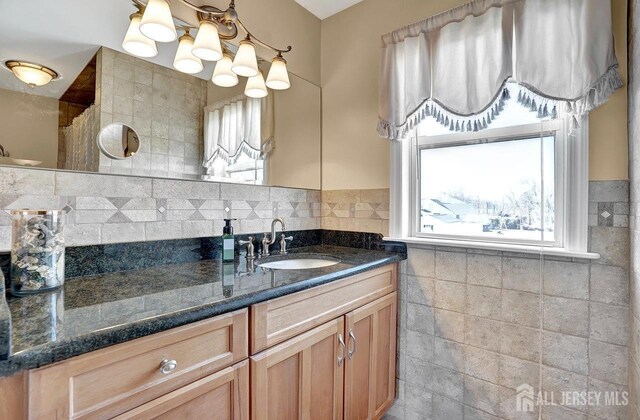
(544, 106)
(243, 150)
(454, 122)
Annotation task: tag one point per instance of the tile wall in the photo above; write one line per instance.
(470, 324)
(164, 106)
(356, 210)
(110, 209)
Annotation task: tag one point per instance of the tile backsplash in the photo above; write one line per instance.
(111, 209)
(356, 210)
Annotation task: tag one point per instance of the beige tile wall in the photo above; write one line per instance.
(475, 325)
(163, 105)
(356, 210)
(111, 208)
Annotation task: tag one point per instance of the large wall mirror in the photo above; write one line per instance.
(94, 103)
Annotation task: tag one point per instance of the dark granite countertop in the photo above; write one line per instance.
(93, 312)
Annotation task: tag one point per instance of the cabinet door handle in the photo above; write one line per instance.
(341, 357)
(353, 350)
(168, 366)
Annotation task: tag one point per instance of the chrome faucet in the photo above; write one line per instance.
(268, 241)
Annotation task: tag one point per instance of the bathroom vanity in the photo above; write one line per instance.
(284, 344)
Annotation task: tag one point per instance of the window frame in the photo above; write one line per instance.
(571, 183)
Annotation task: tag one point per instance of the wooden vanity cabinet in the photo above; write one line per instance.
(328, 352)
(344, 368)
(370, 367)
(223, 395)
(109, 382)
(300, 378)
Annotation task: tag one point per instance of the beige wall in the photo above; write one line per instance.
(296, 160)
(280, 23)
(29, 127)
(354, 157)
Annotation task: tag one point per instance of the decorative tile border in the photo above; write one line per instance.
(609, 204)
(356, 210)
(114, 209)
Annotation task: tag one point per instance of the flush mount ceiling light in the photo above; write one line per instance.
(154, 22)
(31, 73)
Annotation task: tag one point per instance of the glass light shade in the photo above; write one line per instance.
(157, 22)
(185, 61)
(278, 77)
(245, 64)
(31, 73)
(255, 87)
(137, 44)
(223, 76)
(207, 45)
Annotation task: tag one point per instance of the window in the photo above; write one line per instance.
(510, 184)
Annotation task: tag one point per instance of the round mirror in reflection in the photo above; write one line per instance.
(118, 141)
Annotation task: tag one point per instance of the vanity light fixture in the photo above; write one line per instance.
(278, 77)
(223, 76)
(216, 25)
(157, 22)
(135, 42)
(207, 45)
(31, 73)
(185, 61)
(246, 63)
(255, 87)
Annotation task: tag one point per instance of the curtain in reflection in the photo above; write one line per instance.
(240, 127)
(80, 142)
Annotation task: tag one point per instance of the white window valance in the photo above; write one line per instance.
(236, 127)
(454, 66)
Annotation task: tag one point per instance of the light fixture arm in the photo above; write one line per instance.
(258, 41)
(228, 18)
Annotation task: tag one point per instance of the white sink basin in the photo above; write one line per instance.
(298, 263)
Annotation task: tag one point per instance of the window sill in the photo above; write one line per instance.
(528, 249)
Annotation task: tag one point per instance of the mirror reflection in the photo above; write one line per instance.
(59, 99)
(118, 141)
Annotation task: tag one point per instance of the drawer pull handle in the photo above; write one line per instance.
(341, 357)
(353, 350)
(168, 366)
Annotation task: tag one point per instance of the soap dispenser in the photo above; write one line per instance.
(228, 244)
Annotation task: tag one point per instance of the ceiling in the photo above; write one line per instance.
(65, 35)
(325, 8)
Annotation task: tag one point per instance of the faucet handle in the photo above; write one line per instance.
(265, 245)
(248, 241)
(283, 243)
(249, 244)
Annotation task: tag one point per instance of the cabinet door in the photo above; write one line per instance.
(302, 377)
(371, 359)
(223, 395)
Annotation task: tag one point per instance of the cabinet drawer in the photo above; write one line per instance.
(111, 381)
(223, 395)
(277, 320)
